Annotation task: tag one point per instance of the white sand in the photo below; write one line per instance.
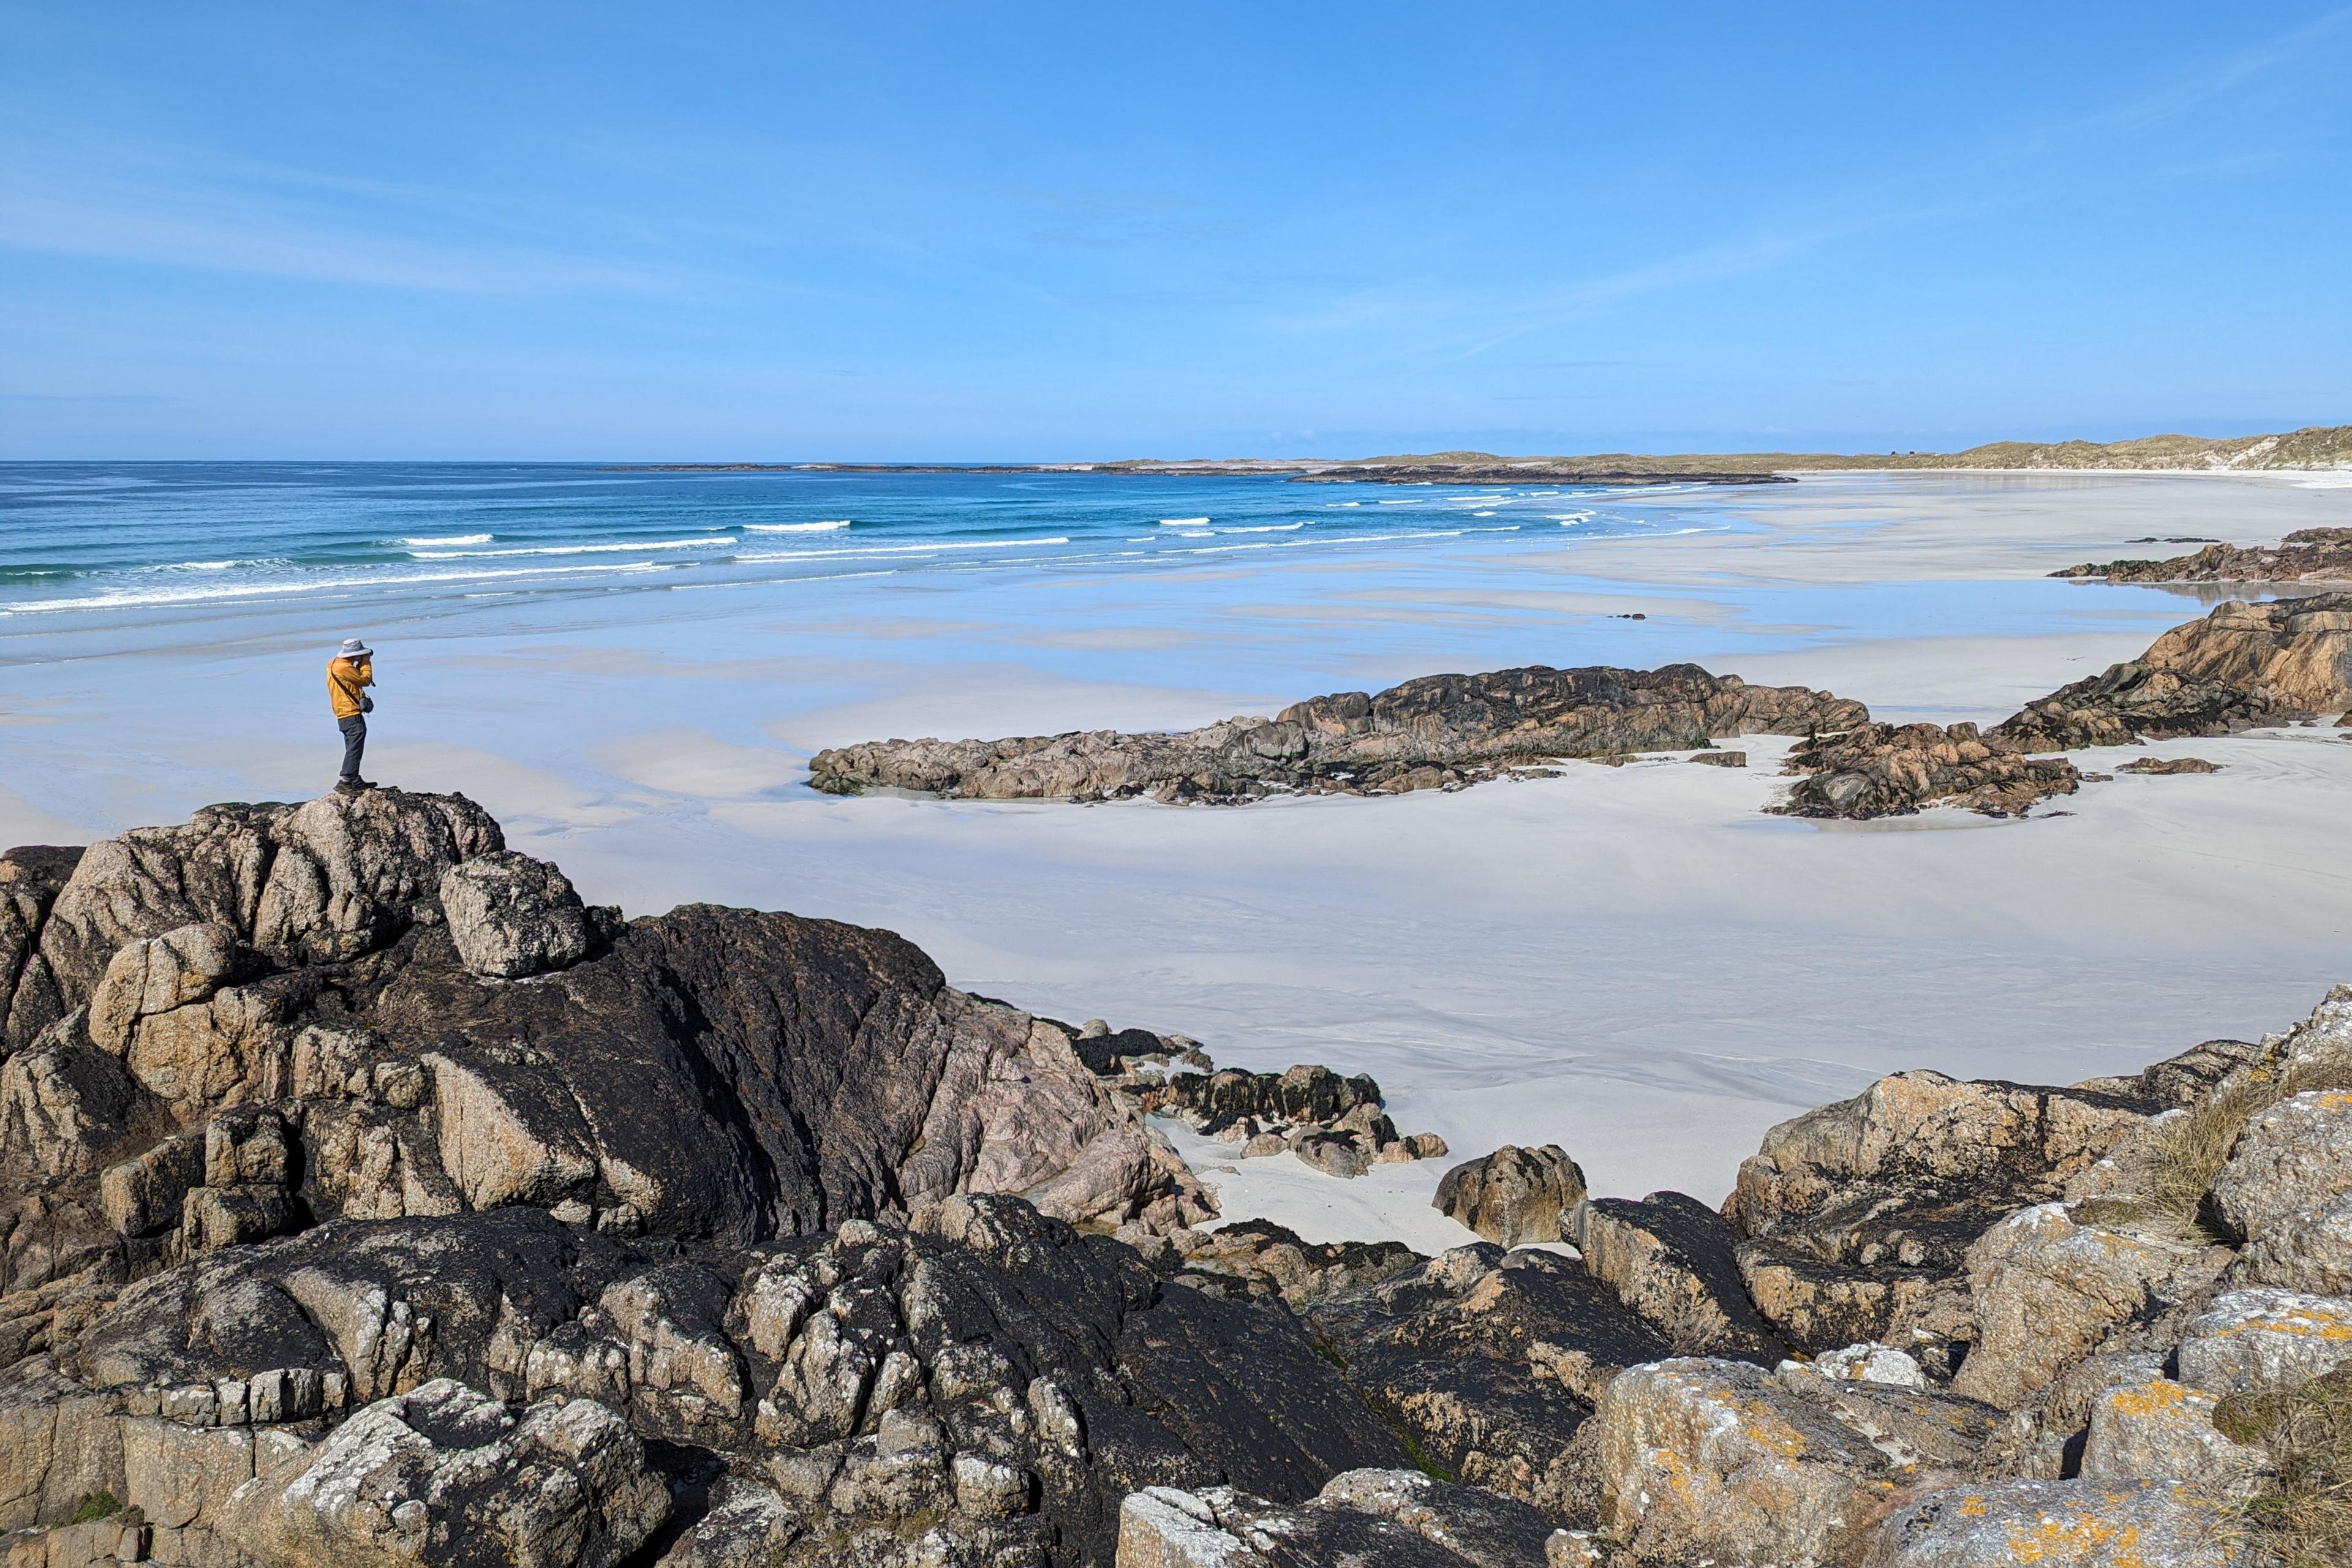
(1632, 963)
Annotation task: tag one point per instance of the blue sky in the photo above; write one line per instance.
(1028, 231)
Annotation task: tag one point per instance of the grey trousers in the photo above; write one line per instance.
(355, 731)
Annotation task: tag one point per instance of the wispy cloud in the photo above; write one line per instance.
(67, 190)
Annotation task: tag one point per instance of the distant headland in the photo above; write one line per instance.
(2313, 447)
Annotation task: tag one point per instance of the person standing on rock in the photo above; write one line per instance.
(349, 671)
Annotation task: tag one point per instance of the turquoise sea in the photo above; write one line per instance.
(135, 543)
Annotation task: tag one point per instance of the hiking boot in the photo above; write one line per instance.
(352, 786)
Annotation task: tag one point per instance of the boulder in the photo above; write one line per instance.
(1513, 1195)
(1333, 1154)
(2160, 1430)
(1724, 1461)
(446, 1475)
(1258, 1259)
(1670, 1259)
(2166, 766)
(2287, 1189)
(2059, 1524)
(1858, 1216)
(2046, 1290)
(511, 915)
(2251, 1341)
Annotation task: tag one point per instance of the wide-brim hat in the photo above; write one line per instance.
(354, 649)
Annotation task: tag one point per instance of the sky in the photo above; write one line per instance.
(1018, 231)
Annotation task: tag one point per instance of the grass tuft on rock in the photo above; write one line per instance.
(2188, 1151)
(2303, 1511)
(95, 1507)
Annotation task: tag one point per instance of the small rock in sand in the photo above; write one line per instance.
(2171, 765)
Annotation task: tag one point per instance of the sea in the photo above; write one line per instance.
(135, 544)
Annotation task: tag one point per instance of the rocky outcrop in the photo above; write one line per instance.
(2306, 555)
(368, 1197)
(1886, 769)
(1334, 1124)
(1437, 732)
(1513, 1195)
(2242, 666)
(1857, 1219)
(345, 970)
(505, 1388)
(1490, 1362)
(2170, 765)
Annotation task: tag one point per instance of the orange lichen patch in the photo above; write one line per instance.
(2298, 1324)
(1666, 1467)
(2151, 1398)
(1764, 1426)
(2053, 1540)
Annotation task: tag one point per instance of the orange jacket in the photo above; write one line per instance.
(344, 680)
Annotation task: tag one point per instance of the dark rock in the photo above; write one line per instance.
(1110, 1053)
(1669, 1259)
(1722, 759)
(1260, 1261)
(1214, 1101)
(2306, 555)
(1513, 1195)
(2242, 666)
(30, 879)
(991, 1374)
(1886, 769)
(1436, 732)
(2170, 765)
(1491, 1362)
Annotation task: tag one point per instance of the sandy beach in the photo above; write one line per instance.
(1632, 963)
